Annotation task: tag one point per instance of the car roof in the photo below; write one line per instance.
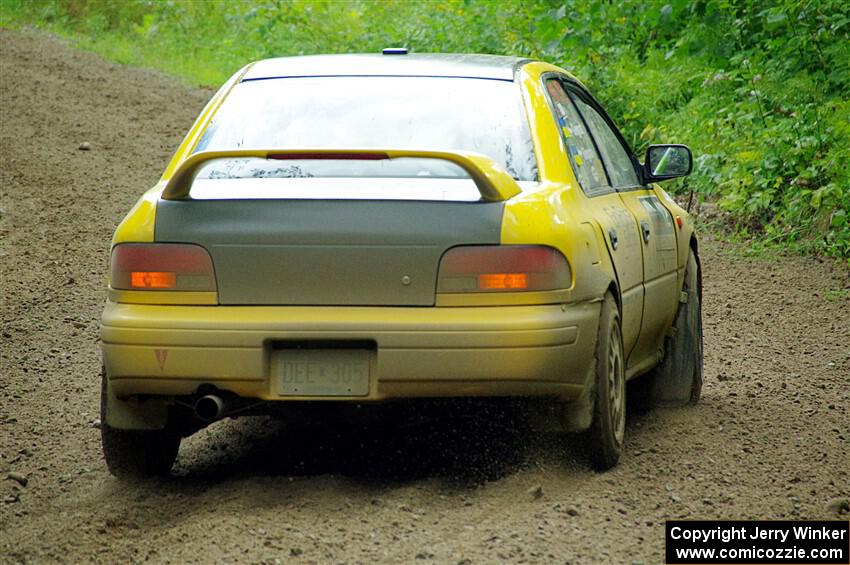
(494, 67)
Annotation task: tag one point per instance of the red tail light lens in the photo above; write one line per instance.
(503, 268)
(161, 266)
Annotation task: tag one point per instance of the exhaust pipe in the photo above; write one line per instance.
(209, 408)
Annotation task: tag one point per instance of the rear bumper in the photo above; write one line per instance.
(418, 352)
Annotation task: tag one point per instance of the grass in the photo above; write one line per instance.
(836, 295)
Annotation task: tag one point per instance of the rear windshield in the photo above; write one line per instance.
(484, 116)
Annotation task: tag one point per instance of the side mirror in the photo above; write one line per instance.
(667, 162)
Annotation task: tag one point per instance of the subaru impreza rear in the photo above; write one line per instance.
(339, 230)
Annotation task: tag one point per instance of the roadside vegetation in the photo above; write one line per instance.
(760, 89)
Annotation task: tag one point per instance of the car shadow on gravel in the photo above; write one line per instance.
(461, 447)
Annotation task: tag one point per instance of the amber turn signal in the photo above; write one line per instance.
(148, 279)
(503, 281)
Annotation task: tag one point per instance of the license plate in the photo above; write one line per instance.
(323, 372)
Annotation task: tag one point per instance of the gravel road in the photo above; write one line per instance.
(769, 440)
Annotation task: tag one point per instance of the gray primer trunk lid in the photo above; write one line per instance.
(327, 252)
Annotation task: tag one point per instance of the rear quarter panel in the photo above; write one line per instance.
(556, 212)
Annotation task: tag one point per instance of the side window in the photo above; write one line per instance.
(620, 168)
(584, 158)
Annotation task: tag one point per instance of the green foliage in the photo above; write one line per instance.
(836, 295)
(760, 89)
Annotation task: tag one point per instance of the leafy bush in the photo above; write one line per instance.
(760, 89)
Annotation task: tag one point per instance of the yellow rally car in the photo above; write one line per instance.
(366, 228)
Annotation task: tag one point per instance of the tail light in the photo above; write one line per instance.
(503, 268)
(161, 266)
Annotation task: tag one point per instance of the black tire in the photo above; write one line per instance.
(677, 380)
(607, 432)
(136, 453)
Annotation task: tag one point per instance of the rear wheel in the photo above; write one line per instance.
(608, 430)
(136, 453)
(677, 380)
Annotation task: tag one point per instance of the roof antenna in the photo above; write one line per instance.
(395, 51)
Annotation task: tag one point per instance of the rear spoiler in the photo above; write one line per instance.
(493, 182)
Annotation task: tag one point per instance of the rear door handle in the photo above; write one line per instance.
(612, 235)
(644, 226)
